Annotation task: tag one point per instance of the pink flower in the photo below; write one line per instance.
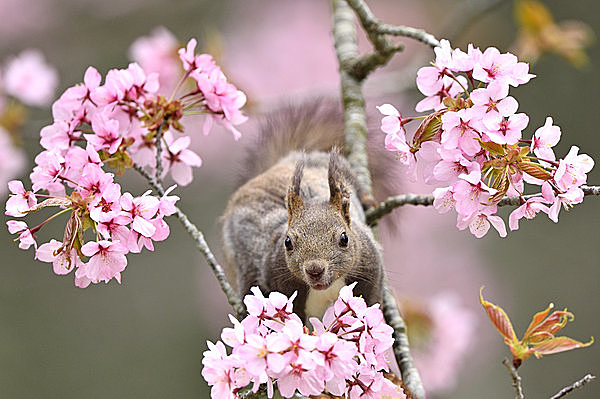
(479, 223)
(63, 261)
(141, 210)
(572, 170)
(30, 79)
(46, 175)
(12, 161)
(220, 371)
(464, 62)
(528, 210)
(443, 54)
(544, 139)
(107, 261)
(129, 85)
(94, 181)
(391, 124)
(74, 105)
(449, 88)
(253, 354)
(452, 165)
(574, 195)
(106, 132)
(459, 131)
(112, 226)
(470, 194)
(502, 68)
(106, 206)
(188, 56)
(335, 358)
(20, 201)
(492, 102)
(430, 79)
(506, 131)
(58, 136)
(222, 98)
(443, 199)
(178, 159)
(166, 206)
(25, 238)
(157, 53)
(450, 337)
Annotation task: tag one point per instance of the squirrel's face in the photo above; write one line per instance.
(320, 246)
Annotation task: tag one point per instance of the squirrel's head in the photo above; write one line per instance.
(320, 245)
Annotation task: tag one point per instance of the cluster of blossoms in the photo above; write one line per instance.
(344, 355)
(26, 79)
(119, 124)
(472, 142)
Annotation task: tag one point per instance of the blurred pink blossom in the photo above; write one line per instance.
(157, 52)
(29, 78)
(12, 161)
(450, 337)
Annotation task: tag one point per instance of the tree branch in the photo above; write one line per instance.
(410, 374)
(202, 246)
(355, 124)
(516, 378)
(355, 120)
(572, 387)
(376, 29)
(378, 211)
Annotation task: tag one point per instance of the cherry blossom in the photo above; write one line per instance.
(63, 260)
(528, 210)
(29, 78)
(20, 201)
(178, 159)
(25, 238)
(344, 354)
(473, 141)
(100, 130)
(107, 261)
(157, 53)
(544, 139)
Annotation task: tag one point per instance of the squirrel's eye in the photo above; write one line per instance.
(288, 243)
(343, 240)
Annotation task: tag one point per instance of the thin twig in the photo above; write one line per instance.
(384, 48)
(201, 245)
(407, 31)
(516, 378)
(573, 386)
(378, 211)
(158, 161)
(374, 27)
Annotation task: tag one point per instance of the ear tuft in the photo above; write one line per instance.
(294, 199)
(339, 195)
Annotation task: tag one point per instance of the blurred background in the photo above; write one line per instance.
(145, 337)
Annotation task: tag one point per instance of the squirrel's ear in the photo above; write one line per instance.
(294, 199)
(339, 196)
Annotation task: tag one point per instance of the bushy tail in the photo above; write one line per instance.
(314, 126)
(317, 126)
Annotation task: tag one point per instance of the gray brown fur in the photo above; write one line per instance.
(260, 215)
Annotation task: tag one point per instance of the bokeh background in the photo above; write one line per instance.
(145, 337)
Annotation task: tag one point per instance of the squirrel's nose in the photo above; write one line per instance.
(315, 271)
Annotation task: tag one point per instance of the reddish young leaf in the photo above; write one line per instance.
(557, 345)
(537, 319)
(553, 324)
(499, 319)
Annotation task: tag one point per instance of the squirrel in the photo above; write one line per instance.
(297, 223)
